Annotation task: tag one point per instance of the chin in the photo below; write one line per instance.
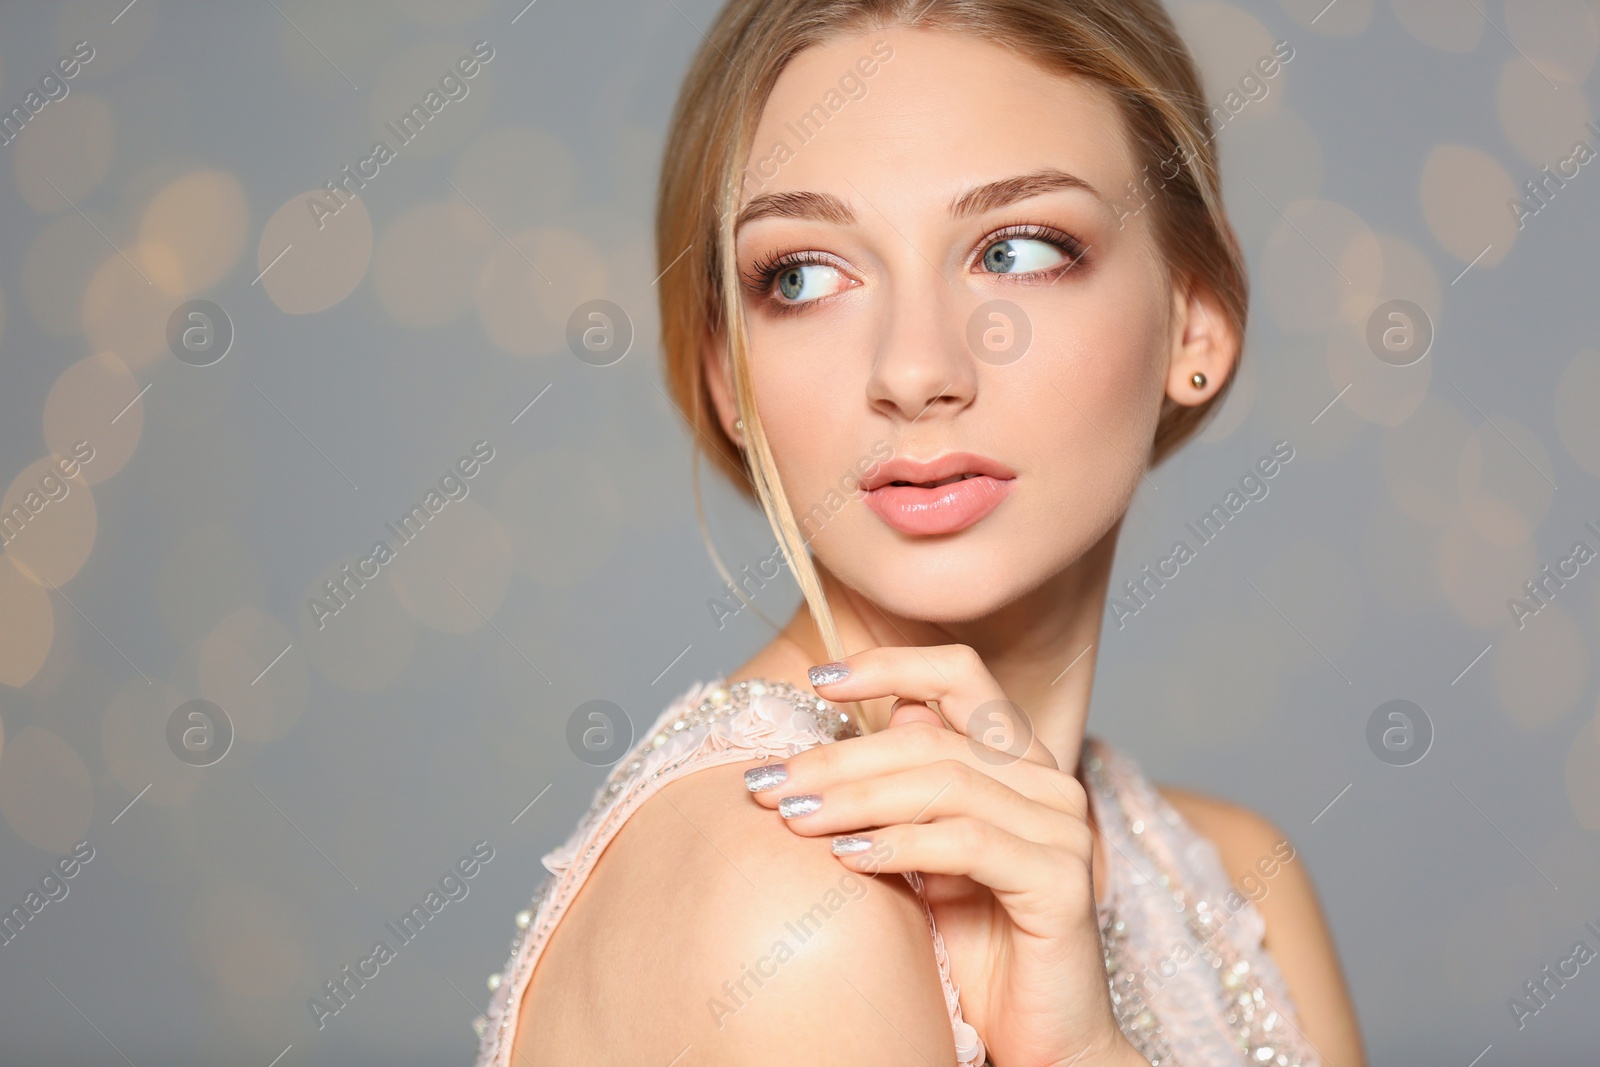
(951, 607)
(947, 586)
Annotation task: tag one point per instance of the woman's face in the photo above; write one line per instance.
(903, 306)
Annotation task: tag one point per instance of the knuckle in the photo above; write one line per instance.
(922, 737)
(821, 760)
(1075, 889)
(968, 834)
(955, 771)
(964, 657)
(1072, 793)
(1078, 843)
(956, 775)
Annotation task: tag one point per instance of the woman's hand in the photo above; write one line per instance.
(999, 833)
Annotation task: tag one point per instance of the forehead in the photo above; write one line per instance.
(941, 112)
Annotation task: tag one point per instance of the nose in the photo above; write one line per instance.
(922, 366)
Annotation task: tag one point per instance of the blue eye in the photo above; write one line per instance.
(1021, 256)
(802, 282)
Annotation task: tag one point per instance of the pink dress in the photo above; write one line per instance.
(1190, 982)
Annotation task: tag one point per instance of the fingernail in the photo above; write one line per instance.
(828, 673)
(854, 843)
(765, 776)
(804, 804)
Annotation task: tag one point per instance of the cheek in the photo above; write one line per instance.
(1088, 411)
(1100, 374)
(809, 382)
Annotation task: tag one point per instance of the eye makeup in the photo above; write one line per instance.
(759, 279)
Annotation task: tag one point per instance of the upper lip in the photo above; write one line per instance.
(923, 472)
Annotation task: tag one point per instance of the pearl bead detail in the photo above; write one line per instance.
(716, 703)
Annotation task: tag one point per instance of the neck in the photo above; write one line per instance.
(1041, 648)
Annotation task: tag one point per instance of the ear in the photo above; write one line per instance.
(1203, 342)
(719, 382)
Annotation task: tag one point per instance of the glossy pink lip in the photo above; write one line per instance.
(925, 509)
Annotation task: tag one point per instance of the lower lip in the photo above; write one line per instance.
(943, 510)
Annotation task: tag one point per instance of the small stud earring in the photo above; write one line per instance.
(738, 424)
(1198, 379)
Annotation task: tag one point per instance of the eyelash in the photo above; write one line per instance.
(758, 281)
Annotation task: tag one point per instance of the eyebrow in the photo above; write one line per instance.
(1010, 190)
(825, 207)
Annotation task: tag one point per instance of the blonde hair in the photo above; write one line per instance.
(1128, 47)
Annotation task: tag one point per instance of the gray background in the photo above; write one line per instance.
(430, 712)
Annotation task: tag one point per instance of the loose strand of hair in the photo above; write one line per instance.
(763, 466)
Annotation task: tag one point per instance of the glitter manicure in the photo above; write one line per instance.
(828, 673)
(804, 804)
(765, 776)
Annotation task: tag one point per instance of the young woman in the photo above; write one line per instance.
(946, 277)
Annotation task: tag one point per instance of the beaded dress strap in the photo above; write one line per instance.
(1191, 982)
(710, 724)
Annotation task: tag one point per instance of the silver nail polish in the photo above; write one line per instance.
(804, 804)
(854, 843)
(765, 777)
(828, 673)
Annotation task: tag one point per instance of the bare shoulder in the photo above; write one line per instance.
(721, 929)
(1268, 870)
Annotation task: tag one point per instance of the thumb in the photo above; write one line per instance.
(904, 711)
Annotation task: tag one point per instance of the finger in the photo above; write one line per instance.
(918, 672)
(968, 847)
(969, 700)
(905, 711)
(905, 747)
(929, 793)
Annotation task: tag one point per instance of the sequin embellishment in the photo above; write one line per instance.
(1225, 994)
(678, 734)
(1224, 1002)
